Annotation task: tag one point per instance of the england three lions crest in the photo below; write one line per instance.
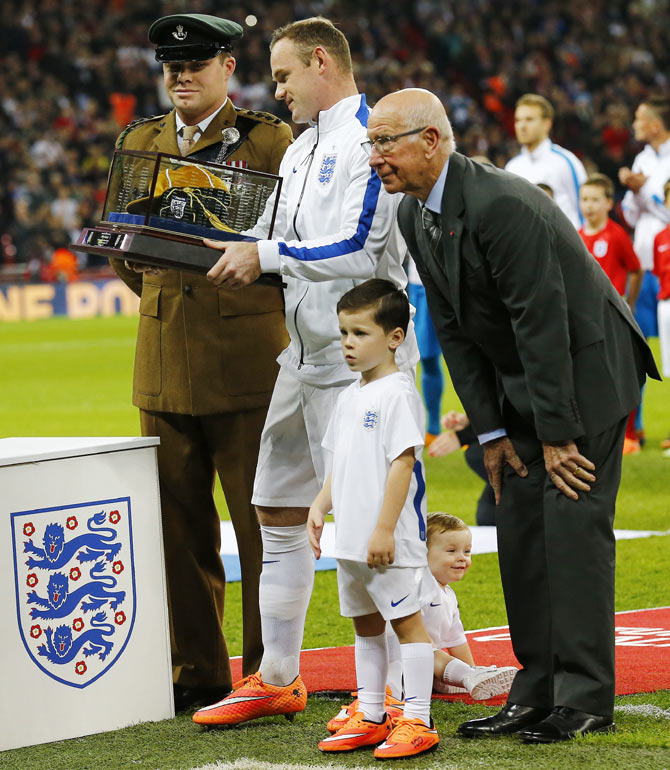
(74, 575)
(327, 169)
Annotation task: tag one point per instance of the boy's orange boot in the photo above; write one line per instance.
(357, 733)
(408, 738)
(392, 706)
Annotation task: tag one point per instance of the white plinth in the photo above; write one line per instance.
(83, 616)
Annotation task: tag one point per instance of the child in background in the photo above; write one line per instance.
(377, 493)
(609, 243)
(449, 559)
(458, 434)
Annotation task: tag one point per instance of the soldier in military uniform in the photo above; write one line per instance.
(205, 363)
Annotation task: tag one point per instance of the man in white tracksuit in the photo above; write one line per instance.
(541, 161)
(643, 204)
(335, 227)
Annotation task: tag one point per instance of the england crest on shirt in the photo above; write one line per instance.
(74, 578)
(327, 169)
(370, 419)
(600, 249)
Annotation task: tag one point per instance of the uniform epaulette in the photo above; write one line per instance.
(263, 117)
(134, 124)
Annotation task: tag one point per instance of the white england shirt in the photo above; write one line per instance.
(443, 620)
(370, 427)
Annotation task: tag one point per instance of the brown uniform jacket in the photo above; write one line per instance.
(201, 349)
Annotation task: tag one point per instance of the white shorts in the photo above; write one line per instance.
(394, 592)
(291, 465)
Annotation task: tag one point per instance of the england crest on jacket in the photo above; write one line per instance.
(327, 168)
(75, 587)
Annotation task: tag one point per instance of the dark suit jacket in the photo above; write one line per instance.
(523, 311)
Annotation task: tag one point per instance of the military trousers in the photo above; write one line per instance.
(191, 451)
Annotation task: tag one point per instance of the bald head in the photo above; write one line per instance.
(412, 163)
(417, 107)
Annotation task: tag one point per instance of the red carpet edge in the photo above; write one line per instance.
(642, 657)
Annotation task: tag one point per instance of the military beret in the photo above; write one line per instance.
(192, 36)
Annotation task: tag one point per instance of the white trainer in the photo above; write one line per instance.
(487, 681)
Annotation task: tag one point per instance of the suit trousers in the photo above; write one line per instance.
(557, 560)
(192, 449)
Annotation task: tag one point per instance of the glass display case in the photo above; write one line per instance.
(159, 207)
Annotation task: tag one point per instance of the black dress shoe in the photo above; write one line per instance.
(564, 723)
(195, 697)
(510, 719)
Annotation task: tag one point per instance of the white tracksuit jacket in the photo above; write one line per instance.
(335, 227)
(645, 210)
(557, 167)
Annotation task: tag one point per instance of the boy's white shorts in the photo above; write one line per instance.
(291, 466)
(394, 592)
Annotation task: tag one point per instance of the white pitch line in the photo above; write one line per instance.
(483, 538)
(643, 710)
(253, 764)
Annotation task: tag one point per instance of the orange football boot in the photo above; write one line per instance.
(631, 446)
(357, 733)
(408, 737)
(253, 699)
(392, 706)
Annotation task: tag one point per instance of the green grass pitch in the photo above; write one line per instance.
(63, 377)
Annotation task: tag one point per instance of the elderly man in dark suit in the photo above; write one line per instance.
(547, 361)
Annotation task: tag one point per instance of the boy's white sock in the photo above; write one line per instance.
(371, 670)
(285, 588)
(455, 672)
(417, 669)
(394, 678)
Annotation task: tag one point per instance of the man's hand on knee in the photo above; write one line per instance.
(497, 454)
(568, 470)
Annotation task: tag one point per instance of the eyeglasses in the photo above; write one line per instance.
(384, 144)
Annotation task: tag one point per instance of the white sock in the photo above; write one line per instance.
(285, 588)
(371, 669)
(417, 669)
(455, 672)
(394, 678)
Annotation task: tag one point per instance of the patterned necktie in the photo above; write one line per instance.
(188, 139)
(431, 224)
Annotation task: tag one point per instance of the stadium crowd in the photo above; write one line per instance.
(79, 70)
